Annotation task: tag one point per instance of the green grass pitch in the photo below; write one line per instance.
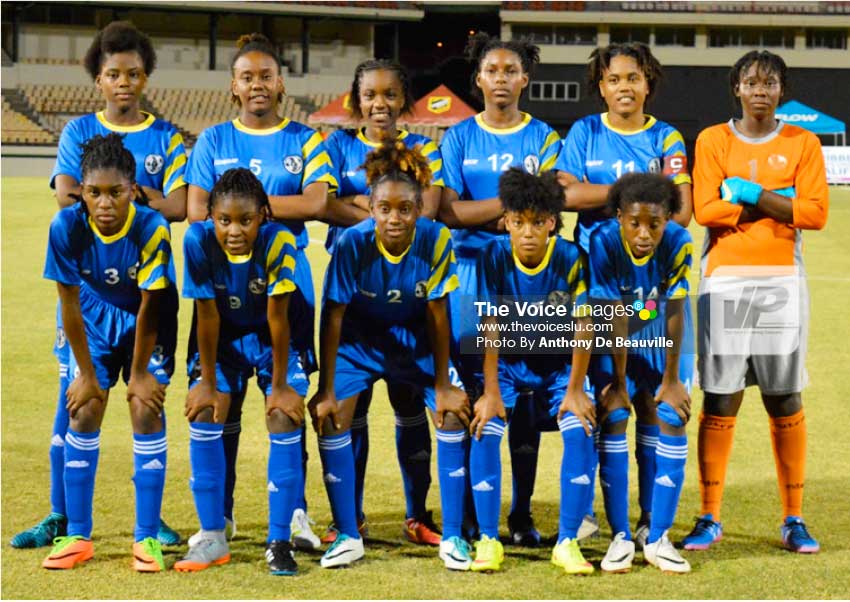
(747, 564)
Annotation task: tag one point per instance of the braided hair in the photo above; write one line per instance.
(766, 61)
(243, 183)
(380, 65)
(119, 36)
(255, 42)
(393, 161)
(521, 191)
(481, 43)
(109, 152)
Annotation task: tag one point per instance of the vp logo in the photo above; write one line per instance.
(754, 315)
(754, 302)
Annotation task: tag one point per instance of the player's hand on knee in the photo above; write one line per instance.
(81, 391)
(676, 395)
(323, 405)
(288, 401)
(453, 400)
(614, 396)
(582, 408)
(488, 406)
(149, 390)
(200, 397)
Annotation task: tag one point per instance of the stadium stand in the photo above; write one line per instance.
(20, 129)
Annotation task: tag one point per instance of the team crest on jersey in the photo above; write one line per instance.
(777, 162)
(654, 165)
(421, 289)
(293, 164)
(61, 339)
(153, 164)
(558, 298)
(132, 271)
(235, 302)
(531, 164)
(257, 286)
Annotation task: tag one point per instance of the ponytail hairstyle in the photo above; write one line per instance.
(481, 43)
(393, 161)
(600, 60)
(109, 152)
(380, 65)
(521, 191)
(243, 183)
(119, 36)
(255, 42)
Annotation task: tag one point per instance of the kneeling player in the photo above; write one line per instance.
(385, 317)
(643, 259)
(239, 269)
(110, 256)
(532, 265)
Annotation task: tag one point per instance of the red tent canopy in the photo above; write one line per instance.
(440, 107)
(334, 113)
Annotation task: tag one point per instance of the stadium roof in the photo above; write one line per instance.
(440, 107)
(379, 11)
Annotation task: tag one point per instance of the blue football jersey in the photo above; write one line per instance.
(596, 152)
(111, 268)
(286, 159)
(382, 290)
(615, 274)
(156, 145)
(348, 150)
(475, 155)
(559, 279)
(240, 285)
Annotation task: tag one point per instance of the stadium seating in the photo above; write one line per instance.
(20, 129)
(190, 110)
(75, 100)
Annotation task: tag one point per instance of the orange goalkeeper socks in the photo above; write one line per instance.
(715, 447)
(788, 435)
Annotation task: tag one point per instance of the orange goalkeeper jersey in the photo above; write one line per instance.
(789, 156)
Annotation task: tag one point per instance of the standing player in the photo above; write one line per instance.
(475, 153)
(758, 183)
(597, 151)
(111, 259)
(385, 317)
(380, 94)
(291, 162)
(119, 60)
(643, 259)
(239, 270)
(535, 265)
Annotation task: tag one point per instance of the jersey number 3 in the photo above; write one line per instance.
(111, 276)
